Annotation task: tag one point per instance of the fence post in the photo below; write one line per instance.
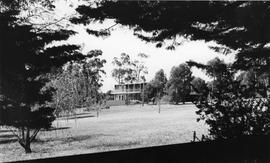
(203, 138)
(194, 136)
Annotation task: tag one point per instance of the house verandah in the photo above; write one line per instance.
(131, 91)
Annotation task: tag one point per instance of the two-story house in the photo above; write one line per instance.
(131, 91)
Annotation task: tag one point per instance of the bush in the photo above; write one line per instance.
(231, 116)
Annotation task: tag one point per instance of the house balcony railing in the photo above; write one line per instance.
(126, 90)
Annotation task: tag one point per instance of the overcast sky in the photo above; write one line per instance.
(122, 40)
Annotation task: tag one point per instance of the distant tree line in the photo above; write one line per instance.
(175, 89)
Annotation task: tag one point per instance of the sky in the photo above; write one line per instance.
(122, 40)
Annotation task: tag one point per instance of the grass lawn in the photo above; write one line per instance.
(120, 127)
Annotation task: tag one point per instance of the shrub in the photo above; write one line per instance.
(231, 116)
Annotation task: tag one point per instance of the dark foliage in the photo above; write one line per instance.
(230, 115)
(24, 61)
(233, 25)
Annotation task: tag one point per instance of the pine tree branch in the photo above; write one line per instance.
(111, 26)
(46, 25)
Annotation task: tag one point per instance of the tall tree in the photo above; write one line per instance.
(25, 58)
(122, 72)
(219, 71)
(139, 69)
(159, 82)
(155, 89)
(179, 83)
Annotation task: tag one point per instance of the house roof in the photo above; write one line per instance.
(132, 83)
(117, 93)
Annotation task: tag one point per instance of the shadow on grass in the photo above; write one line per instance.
(4, 130)
(7, 141)
(70, 139)
(116, 144)
(181, 104)
(10, 138)
(76, 117)
(7, 136)
(79, 117)
(55, 128)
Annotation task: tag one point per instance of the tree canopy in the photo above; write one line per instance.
(233, 25)
(199, 85)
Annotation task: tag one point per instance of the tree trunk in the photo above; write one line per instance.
(27, 148)
(268, 87)
(159, 103)
(98, 108)
(143, 95)
(23, 137)
(25, 141)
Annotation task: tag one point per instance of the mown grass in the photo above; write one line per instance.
(120, 127)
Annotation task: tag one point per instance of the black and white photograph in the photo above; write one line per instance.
(149, 81)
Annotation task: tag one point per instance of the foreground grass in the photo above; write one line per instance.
(120, 127)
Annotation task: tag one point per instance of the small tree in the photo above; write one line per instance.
(156, 88)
